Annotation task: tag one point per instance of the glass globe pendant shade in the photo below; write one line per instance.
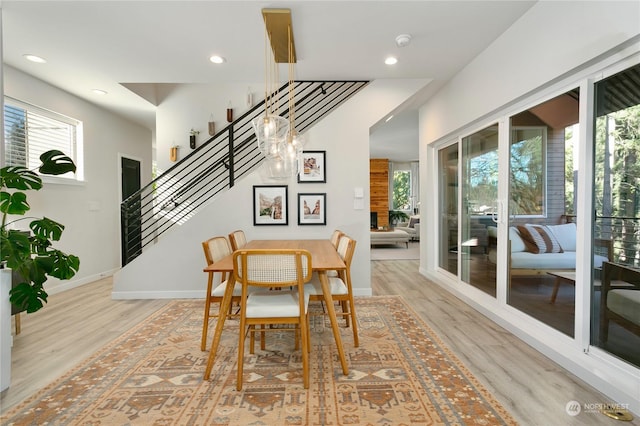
(296, 139)
(270, 130)
(284, 162)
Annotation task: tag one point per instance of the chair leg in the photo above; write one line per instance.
(241, 354)
(263, 337)
(308, 333)
(604, 328)
(252, 338)
(305, 351)
(354, 324)
(346, 314)
(205, 322)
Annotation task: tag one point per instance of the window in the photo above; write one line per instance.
(402, 190)
(528, 147)
(30, 131)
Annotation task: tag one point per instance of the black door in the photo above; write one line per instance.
(131, 218)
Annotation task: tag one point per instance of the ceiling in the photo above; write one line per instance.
(126, 47)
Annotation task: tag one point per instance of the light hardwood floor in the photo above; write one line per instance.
(534, 389)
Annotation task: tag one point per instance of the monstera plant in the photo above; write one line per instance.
(31, 253)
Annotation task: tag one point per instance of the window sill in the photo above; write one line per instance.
(53, 180)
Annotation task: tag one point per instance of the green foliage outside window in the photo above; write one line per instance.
(402, 190)
(527, 172)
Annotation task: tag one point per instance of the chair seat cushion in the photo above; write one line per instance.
(276, 303)
(625, 303)
(219, 290)
(336, 285)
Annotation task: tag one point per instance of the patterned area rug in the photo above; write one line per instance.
(152, 375)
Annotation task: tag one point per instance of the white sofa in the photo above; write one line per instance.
(412, 227)
(523, 261)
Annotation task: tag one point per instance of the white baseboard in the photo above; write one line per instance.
(127, 295)
(61, 286)
(366, 292)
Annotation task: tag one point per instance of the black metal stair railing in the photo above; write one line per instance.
(176, 195)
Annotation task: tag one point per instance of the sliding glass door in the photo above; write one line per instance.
(448, 208)
(468, 193)
(542, 232)
(478, 230)
(615, 290)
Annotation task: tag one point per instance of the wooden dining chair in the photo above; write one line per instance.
(277, 278)
(215, 249)
(341, 289)
(237, 239)
(335, 237)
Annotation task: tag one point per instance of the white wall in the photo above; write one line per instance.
(551, 41)
(173, 267)
(92, 235)
(189, 106)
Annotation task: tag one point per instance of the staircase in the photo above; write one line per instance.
(232, 153)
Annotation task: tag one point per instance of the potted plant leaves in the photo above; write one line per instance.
(31, 254)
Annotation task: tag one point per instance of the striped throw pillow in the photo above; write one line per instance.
(538, 239)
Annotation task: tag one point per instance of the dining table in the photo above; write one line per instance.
(324, 258)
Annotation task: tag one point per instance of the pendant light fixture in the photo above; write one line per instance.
(277, 138)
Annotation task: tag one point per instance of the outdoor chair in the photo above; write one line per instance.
(620, 300)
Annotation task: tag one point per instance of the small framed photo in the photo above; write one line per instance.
(313, 167)
(312, 209)
(270, 205)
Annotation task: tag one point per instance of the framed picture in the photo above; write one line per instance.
(270, 205)
(314, 167)
(312, 209)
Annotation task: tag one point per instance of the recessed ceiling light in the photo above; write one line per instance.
(34, 58)
(217, 59)
(391, 60)
(99, 92)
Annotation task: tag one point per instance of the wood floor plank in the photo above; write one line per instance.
(73, 325)
(534, 388)
(76, 323)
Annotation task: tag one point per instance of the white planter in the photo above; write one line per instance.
(6, 339)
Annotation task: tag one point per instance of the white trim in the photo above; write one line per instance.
(128, 295)
(55, 180)
(6, 338)
(62, 286)
(584, 227)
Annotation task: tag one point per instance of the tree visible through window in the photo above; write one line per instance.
(527, 171)
(401, 190)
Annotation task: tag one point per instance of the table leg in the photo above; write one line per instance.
(556, 287)
(222, 316)
(326, 292)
